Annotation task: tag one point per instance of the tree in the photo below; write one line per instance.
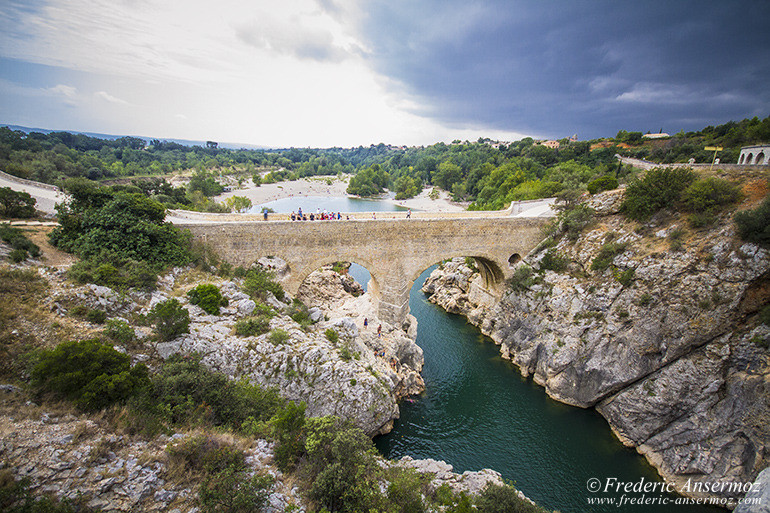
(101, 223)
(238, 203)
(16, 203)
(448, 174)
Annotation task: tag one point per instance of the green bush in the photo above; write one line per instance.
(405, 491)
(754, 225)
(259, 282)
(710, 194)
(186, 392)
(503, 499)
(288, 428)
(90, 373)
(119, 331)
(111, 271)
(522, 279)
(170, 319)
(96, 316)
(342, 459)
(300, 313)
(626, 277)
(278, 337)
(332, 335)
(604, 183)
(205, 453)
(234, 490)
(573, 219)
(227, 485)
(91, 315)
(130, 226)
(208, 297)
(554, 261)
(253, 326)
(17, 256)
(675, 239)
(658, 189)
(16, 203)
(22, 246)
(607, 254)
(16, 497)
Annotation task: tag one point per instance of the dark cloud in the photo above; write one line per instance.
(555, 68)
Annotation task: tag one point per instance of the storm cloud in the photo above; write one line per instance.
(593, 68)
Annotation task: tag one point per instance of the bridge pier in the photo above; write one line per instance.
(393, 300)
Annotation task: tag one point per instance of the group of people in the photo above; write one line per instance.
(318, 216)
(324, 216)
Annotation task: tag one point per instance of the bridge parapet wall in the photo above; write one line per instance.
(395, 251)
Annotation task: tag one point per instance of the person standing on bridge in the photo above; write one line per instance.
(409, 213)
(264, 213)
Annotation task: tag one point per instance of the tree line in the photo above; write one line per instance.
(487, 174)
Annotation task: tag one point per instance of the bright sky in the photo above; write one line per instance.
(346, 73)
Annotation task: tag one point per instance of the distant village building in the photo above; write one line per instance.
(554, 145)
(758, 155)
(655, 136)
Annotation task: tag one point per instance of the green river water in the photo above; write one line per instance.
(478, 412)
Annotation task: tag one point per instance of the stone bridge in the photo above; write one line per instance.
(394, 251)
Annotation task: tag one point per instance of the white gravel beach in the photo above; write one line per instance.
(320, 186)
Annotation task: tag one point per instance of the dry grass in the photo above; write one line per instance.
(754, 191)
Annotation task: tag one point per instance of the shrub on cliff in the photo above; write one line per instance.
(253, 326)
(754, 225)
(17, 497)
(170, 319)
(658, 189)
(89, 372)
(604, 183)
(706, 197)
(227, 485)
(522, 279)
(22, 246)
(607, 254)
(258, 282)
(187, 392)
(208, 297)
(341, 458)
(503, 499)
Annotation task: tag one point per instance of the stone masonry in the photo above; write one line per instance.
(394, 251)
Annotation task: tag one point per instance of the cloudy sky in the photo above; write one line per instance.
(355, 72)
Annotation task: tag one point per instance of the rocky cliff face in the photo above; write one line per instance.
(663, 342)
(359, 377)
(75, 458)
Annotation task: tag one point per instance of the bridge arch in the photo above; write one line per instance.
(491, 272)
(296, 279)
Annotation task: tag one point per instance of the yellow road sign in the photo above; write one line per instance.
(713, 148)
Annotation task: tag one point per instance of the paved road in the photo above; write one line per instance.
(46, 197)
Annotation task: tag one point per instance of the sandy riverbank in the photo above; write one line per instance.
(320, 186)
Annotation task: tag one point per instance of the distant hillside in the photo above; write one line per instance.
(113, 137)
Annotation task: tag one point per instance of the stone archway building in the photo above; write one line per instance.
(758, 155)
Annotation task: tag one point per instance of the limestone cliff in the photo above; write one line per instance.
(663, 342)
(359, 377)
